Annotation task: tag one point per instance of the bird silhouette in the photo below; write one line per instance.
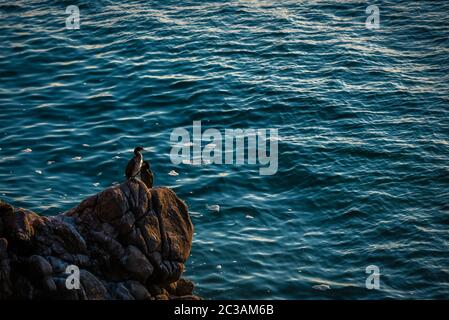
(135, 164)
(146, 174)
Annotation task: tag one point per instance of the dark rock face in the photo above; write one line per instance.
(128, 242)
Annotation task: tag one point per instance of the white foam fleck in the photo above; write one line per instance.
(195, 214)
(173, 173)
(27, 150)
(77, 158)
(213, 207)
(38, 171)
(321, 287)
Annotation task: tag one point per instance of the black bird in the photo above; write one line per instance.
(147, 175)
(135, 164)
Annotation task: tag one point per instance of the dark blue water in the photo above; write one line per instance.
(362, 116)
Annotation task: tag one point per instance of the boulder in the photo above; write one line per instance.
(127, 242)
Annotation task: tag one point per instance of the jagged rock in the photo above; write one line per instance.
(154, 289)
(183, 287)
(42, 271)
(127, 241)
(138, 291)
(5, 282)
(93, 287)
(39, 266)
(137, 264)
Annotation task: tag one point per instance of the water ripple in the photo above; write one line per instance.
(362, 115)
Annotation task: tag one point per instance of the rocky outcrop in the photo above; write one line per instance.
(127, 242)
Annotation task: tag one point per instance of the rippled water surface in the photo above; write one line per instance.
(362, 116)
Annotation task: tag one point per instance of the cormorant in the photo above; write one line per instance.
(135, 164)
(146, 174)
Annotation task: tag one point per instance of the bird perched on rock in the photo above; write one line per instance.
(146, 174)
(135, 164)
